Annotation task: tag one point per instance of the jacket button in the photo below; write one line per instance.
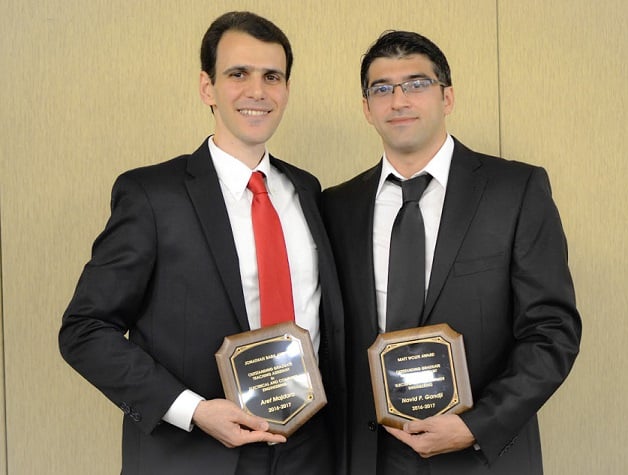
(372, 426)
(135, 416)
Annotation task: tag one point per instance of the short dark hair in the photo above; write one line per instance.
(246, 22)
(398, 44)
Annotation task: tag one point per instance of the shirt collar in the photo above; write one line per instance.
(438, 166)
(234, 174)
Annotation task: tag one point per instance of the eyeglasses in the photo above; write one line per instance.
(414, 86)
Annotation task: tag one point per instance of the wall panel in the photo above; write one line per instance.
(3, 432)
(563, 105)
(93, 88)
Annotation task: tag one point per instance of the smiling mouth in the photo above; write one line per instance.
(253, 112)
(401, 120)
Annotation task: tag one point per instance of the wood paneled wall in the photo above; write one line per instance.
(90, 89)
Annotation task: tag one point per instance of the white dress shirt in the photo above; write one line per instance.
(388, 201)
(234, 176)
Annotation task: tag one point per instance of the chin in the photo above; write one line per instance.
(257, 139)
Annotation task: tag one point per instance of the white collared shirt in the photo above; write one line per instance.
(388, 201)
(302, 253)
(234, 176)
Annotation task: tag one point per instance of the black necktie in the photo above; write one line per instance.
(406, 262)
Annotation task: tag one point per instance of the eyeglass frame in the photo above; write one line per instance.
(404, 87)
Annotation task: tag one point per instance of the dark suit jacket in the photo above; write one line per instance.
(500, 278)
(165, 269)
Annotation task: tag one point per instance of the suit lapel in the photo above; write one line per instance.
(204, 191)
(307, 199)
(311, 212)
(464, 190)
(361, 222)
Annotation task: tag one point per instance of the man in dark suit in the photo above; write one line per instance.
(176, 268)
(495, 262)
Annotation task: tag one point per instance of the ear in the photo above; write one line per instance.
(367, 110)
(206, 89)
(448, 100)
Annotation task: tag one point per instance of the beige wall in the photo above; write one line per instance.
(92, 88)
(564, 105)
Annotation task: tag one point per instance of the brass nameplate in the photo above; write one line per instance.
(272, 373)
(418, 373)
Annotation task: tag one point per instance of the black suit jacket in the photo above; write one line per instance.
(165, 270)
(499, 277)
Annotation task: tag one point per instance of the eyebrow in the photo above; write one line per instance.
(406, 78)
(243, 68)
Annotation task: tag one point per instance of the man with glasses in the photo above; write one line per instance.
(491, 255)
(177, 268)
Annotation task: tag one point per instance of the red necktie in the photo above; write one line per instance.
(275, 287)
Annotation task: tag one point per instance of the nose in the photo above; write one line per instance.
(399, 98)
(256, 87)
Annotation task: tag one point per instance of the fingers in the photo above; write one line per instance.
(414, 441)
(252, 422)
(435, 435)
(259, 429)
(249, 437)
(400, 434)
(230, 425)
(415, 427)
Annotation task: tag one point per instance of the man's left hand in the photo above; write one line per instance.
(435, 435)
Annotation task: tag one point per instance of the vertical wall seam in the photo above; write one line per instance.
(499, 76)
(5, 446)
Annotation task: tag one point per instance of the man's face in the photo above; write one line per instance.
(249, 94)
(413, 122)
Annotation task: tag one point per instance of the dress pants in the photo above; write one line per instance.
(395, 458)
(307, 452)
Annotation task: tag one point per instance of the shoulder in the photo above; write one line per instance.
(354, 185)
(299, 177)
(158, 171)
(499, 171)
(351, 199)
(173, 171)
(151, 183)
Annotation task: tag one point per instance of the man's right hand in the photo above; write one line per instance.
(230, 425)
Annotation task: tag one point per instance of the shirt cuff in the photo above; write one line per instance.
(182, 409)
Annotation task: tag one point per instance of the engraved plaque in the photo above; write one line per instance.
(272, 373)
(418, 373)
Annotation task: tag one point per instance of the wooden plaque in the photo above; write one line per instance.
(272, 373)
(418, 373)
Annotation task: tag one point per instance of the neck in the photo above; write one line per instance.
(410, 162)
(408, 166)
(249, 155)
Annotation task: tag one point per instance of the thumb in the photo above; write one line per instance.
(253, 422)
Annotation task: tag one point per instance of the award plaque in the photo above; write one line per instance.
(272, 373)
(418, 373)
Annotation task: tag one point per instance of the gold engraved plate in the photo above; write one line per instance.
(272, 373)
(418, 373)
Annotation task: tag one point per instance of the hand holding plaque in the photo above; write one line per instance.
(418, 373)
(272, 373)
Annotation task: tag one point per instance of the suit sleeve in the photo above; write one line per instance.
(545, 323)
(108, 299)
